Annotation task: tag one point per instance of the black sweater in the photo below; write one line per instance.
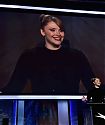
(50, 72)
(96, 95)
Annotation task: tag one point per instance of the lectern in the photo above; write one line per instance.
(98, 113)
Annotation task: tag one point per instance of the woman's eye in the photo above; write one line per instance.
(61, 30)
(52, 30)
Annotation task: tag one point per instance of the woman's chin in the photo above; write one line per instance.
(57, 43)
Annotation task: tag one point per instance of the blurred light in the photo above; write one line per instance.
(40, 97)
(52, 9)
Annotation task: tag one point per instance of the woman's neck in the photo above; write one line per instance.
(50, 47)
(97, 86)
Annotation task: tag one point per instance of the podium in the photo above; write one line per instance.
(98, 113)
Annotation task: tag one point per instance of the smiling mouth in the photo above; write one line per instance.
(58, 39)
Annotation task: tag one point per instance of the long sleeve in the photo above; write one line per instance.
(89, 95)
(86, 72)
(19, 77)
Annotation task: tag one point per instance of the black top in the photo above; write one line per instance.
(96, 95)
(51, 71)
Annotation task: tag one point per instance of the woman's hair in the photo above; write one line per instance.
(93, 79)
(45, 19)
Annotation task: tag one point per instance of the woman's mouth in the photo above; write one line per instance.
(57, 38)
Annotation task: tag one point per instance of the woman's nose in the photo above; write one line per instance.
(57, 32)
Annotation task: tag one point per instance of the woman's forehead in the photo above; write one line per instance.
(97, 79)
(52, 25)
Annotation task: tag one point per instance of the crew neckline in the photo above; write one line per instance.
(53, 51)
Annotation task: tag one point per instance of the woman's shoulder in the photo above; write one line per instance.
(32, 51)
(29, 54)
(76, 52)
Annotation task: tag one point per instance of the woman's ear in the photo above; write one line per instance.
(42, 32)
(94, 83)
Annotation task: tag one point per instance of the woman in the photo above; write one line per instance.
(96, 96)
(96, 93)
(51, 69)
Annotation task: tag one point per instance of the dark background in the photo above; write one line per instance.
(20, 31)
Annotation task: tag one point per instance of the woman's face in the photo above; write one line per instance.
(97, 82)
(53, 35)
